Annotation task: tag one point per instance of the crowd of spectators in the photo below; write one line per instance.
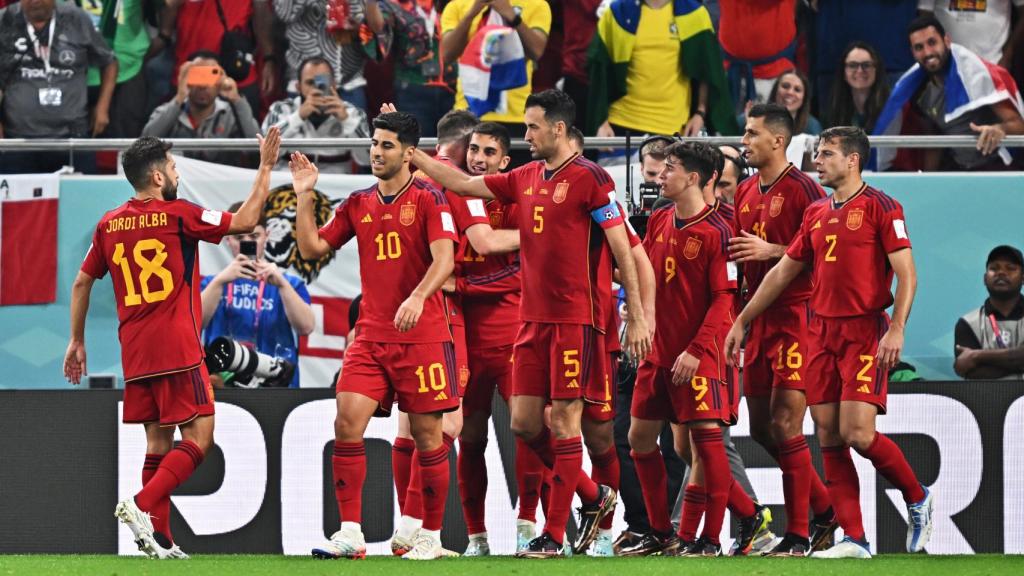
(320, 68)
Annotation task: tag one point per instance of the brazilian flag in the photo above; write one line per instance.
(700, 59)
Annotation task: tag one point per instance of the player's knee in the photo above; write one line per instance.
(641, 442)
(857, 436)
(784, 426)
(524, 428)
(346, 430)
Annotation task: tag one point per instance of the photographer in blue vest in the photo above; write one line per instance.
(234, 330)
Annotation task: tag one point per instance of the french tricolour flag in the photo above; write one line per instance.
(970, 84)
(494, 61)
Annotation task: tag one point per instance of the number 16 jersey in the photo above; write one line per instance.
(151, 248)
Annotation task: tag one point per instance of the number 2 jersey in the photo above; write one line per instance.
(394, 235)
(151, 249)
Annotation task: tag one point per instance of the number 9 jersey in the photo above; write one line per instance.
(150, 248)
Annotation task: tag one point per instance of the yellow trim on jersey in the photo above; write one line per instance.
(394, 198)
(774, 182)
(708, 211)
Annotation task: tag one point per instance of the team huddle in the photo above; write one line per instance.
(478, 280)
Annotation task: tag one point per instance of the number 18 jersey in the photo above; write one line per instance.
(151, 249)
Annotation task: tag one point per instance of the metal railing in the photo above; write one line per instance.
(88, 144)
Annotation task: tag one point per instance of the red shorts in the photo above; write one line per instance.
(489, 368)
(605, 411)
(655, 397)
(842, 364)
(559, 362)
(421, 377)
(775, 353)
(171, 399)
(461, 357)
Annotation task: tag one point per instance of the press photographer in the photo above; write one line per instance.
(230, 303)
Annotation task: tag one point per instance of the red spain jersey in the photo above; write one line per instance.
(151, 248)
(394, 236)
(848, 246)
(774, 213)
(696, 282)
(490, 285)
(566, 261)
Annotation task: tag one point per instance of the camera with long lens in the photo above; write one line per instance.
(251, 369)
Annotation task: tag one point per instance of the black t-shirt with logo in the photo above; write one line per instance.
(37, 104)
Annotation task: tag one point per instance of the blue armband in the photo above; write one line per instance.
(606, 213)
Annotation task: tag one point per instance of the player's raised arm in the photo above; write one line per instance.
(775, 281)
(451, 178)
(74, 358)
(891, 344)
(304, 175)
(442, 252)
(486, 240)
(638, 337)
(248, 216)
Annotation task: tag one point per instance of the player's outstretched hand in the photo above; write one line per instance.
(304, 173)
(684, 368)
(270, 147)
(449, 285)
(638, 338)
(387, 108)
(889, 348)
(409, 313)
(74, 362)
(732, 344)
(748, 247)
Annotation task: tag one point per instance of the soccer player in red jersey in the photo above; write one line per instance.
(403, 348)
(568, 218)
(150, 247)
(476, 236)
(683, 380)
(768, 211)
(853, 241)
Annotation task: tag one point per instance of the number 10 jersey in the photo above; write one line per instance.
(150, 248)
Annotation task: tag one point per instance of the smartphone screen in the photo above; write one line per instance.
(203, 75)
(322, 83)
(247, 248)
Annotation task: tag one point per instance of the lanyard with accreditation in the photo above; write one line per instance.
(48, 96)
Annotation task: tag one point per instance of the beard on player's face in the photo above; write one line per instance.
(169, 189)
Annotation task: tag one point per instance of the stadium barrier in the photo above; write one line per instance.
(267, 485)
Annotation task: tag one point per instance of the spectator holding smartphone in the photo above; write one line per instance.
(319, 112)
(255, 303)
(207, 105)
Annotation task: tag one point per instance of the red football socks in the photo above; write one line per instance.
(174, 469)
(349, 464)
(650, 470)
(890, 462)
(717, 478)
(606, 471)
(541, 446)
(401, 467)
(434, 477)
(844, 489)
(161, 514)
(695, 501)
(530, 473)
(568, 460)
(472, 473)
(795, 462)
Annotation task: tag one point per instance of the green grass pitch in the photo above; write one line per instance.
(223, 565)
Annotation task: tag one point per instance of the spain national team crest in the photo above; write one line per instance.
(561, 191)
(495, 218)
(775, 208)
(463, 376)
(407, 215)
(854, 219)
(692, 248)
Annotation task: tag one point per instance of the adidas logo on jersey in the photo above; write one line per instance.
(864, 389)
(816, 225)
(745, 209)
(659, 238)
(366, 219)
(794, 377)
(573, 384)
(441, 396)
(703, 407)
(606, 407)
